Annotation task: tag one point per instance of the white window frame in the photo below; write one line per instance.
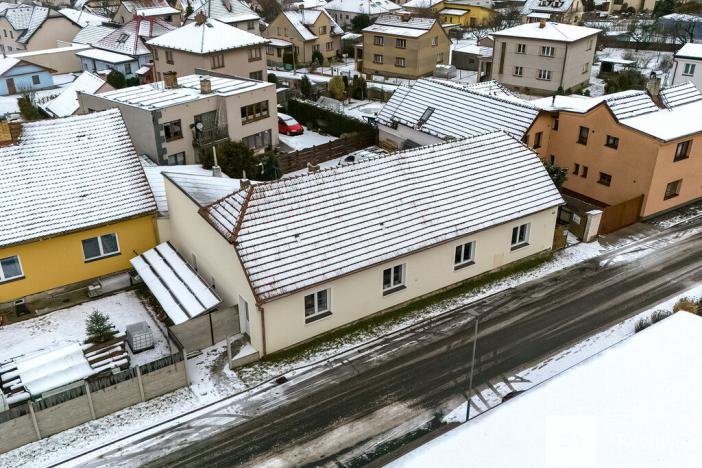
(400, 62)
(547, 51)
(102, 250)
(689, 69)
(544, 75)
(522, 236)
(521, 48)
(378, 40)
(518, 71)
(395, 283)
(4, 278)
(318, 312)
(401, 43)
(435, 41)
(459, 255)
(378, 58)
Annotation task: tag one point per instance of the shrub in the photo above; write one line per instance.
(359, 22)
(27, 108)
(659, 315)
(623, 81)
(272, 78)
(686, 304)
(237, 159)
(558, 174)
(318, 57)
(99, 328)
(332, 122)
(116, 79)
(305, 87)
(337, 88)
(641, 324)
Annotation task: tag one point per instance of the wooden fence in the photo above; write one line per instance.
(618, 216)
(296, 160)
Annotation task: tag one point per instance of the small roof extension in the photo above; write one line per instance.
(207, 37)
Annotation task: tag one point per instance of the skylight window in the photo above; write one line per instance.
(425, 116)
(122, 38)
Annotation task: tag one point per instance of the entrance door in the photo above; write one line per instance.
(11, 86)
(244, 316)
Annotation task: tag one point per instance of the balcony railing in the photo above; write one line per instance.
(210, 136)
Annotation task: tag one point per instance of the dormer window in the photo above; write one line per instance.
(122, 38)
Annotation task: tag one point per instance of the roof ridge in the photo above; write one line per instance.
(242, 212)
(518, 101)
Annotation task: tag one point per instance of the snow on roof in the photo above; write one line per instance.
(66, 103)
(49, 370)
(279, 42)
(690, 50)
(55, 50)
(553, 6)
(178, 289)
(666, 125)
(70, 174)
(149, 7)
(368, 7)
(539, 15)
(105, 56)
(421, 3)
(453, 12)
(7, 63)
(303, 20)
(226, 11)
(597, 413)
(26, 18)
(623, 104)
(682, 17)
(83, 18)
(474, 49)
(551, 32)
(203, 189)
(459, 111)
(392, 24)
(347, 218)
(211, 36)
(681, 94)
(92, 34)
(156, 96)
(129, 39)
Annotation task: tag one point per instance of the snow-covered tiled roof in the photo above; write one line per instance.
(226, 11)
(303, 20)
(27, 18)
(393, 24)
(211, 36)
(302, 231)
(105, 56)
(548, 6)
(156, 96)
(66, 103)
(459, 111)
(421, 3)
(369, 7)
(690, 50)
(83, 18)
(678, 95)
(551, 32)
(7, 63)
(92, 34)
(474, 49)
(623, 104)
(666, 125)
(130, 38)
(453, 12)
(70, 174)
(149, 7)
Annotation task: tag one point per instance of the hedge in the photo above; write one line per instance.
(331, 122)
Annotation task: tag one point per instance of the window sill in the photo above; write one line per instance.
(168, 140)
(611, 147)
(686, 74)
(602, 183)
(255, 59)
(314, 318)
(682, 158)
(519, 246)
(580, 142)
(668, 197)
(10, 280)
(246, 122)
(463, 265)
(394, 290)
(95, 259)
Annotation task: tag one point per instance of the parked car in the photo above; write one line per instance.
(289, 126)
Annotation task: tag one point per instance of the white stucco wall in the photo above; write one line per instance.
(679, 68)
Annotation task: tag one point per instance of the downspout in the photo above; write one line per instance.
(675, 71)
(564, 65)
(263, 329)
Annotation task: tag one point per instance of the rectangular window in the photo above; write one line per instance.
(35, 79)
(605, 179)
(258, 140)
(322, 30)
(544, 75)
(440, 57)
(127, 68)
(576, 169)
(521, 48)
(589, 44)
(672, 189)
(435, 41)
(173, 130)
(464, 255)
(176, 159)
(547, 51)
(250, 25)
(586, 67)
(518, 71)
(393, 279)
(400, 62)
(270, 50)
(254, 112)
(169, 57)
(217, 61)
(279, 31)
(520, 236)
(155, 53)
(317, 305)
(378, 40)
(257, 75)
(555, 123)
(377, 58)
(689, 69)
(254, 54)
(537, 139)
(582, 135)
(100, 247)
(612, 142)
(682, 151)
(316, 48)
(584, 172)
(401, 43)
(329, 46)
(553, 159)
(10, 269)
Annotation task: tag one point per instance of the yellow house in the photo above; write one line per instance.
(467, 13)
(74, 204)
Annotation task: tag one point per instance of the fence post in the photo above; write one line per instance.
(185, 368)
(141, 385)
(229, 350)
(34, 419)
(90, 400)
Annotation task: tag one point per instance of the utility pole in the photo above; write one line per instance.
(472, 365)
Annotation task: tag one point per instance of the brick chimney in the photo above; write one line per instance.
(10, 132)
(205, 86)
(170, 80)
(200, 18)
(653, 87)
(244, 183)
(542, 23)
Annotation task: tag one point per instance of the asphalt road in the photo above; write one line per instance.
(417, 371)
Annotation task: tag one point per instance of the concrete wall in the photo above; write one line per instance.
(116, 397)
(164, 380)
(360, 294)
(236, 62)
(16, 433)
(63, 59)
(197, 333)
(63, 416)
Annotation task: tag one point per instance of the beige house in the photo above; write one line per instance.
(541, 57)
(404, 47)
(175, 120)
(561, 11)
(233, 12)
(305, 30)
(27, 28)
(129, 9)
(212, 45)
(303, 256)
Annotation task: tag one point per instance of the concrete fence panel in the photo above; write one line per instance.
(164, 380)
(63, 416)
(16, 433)
(116, 397)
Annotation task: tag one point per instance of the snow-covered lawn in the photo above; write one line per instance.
(68, 326)
(307, 140)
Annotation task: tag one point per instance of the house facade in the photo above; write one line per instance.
(305, 32)
(17, 76)
(26, 28)
(59, 230)
(156, 9)
(404, 47)
(344, 11)
(372, 253)
(175, 120)
(561, 11)
(232, 12)
(687, 65)
(212, 45)
(543, 57)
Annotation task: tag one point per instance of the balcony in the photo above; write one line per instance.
(210, 136)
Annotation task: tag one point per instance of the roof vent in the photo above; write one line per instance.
(244, 183)
(205, 86)
(312, 167)
(200, 18)
(170, 79)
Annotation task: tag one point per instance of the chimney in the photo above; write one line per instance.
(405, 17)
(200, 18)
(10, 132)
(170, 80)
(542, 23)
(216, 170)
(653, 86)
(205, 86)
(244, 183)
(312, 167)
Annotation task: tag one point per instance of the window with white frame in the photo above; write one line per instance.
(317, 305)
(329, 46)
(400, 62)
(440, 57)
(377, 58)
(401, 43)
(393, 279)
(100, 247)
(217, 61)
(689, 69)
(464, 255)
(520, 236)
(547, 51)
(586, 67)
(521, 48)
(10, 269)
(589, 44)
(518, 71)
(378, 40)
(544, 75)
(435, 41)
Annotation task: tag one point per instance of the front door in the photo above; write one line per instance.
(11, 86)
(244, 317)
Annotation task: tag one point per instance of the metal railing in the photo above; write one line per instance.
(210, 136)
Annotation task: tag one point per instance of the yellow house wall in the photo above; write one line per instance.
(480, 15)
(58, 261)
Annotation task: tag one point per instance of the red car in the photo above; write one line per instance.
(289, 126)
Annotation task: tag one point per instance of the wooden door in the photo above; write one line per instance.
(11, 86)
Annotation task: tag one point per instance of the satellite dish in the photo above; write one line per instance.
(199, 126)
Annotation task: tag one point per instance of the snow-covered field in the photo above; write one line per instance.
(307, 140)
